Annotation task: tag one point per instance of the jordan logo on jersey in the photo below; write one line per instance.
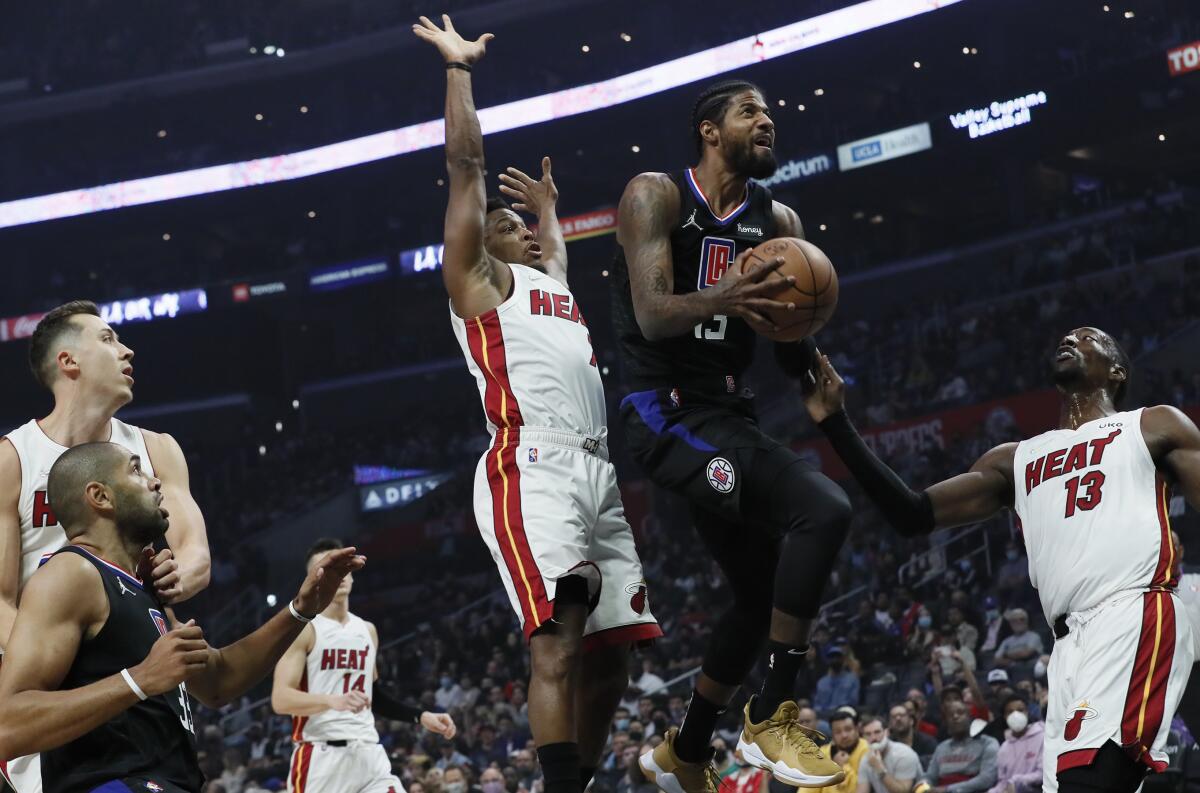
(1064, 461)
(716, 254)
(43, 515)
(691, 221)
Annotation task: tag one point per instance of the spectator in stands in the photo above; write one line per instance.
(526, 768)
(233, 777)
(486, 750)
(633, 780)
(649, 681)
(490, 781)
(920, 706)
(962, 764)
(809, 718)
(449, 756)
(846, 749)
(1015, 570)
(838, 687)
(449, 695)
(901, 729)
(995, 628)
(1022, 648)
(455, 780)
(1019, 761)
(966, 633)
(888, 766)
(744, 778)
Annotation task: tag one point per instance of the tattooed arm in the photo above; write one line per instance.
(649, 207)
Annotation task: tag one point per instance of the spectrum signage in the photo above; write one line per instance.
(798, 170)
(998, 116)
(884, 146)
(1182, 60)
(139, 309)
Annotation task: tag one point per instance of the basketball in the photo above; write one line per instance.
(815, 291)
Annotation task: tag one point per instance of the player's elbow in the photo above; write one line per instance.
(279, 705)
(648, 323)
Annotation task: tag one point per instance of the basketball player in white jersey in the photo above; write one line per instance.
(546, 497)
(1092, 501)
(327, 681)
(80, 359)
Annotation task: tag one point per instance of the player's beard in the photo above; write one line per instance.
(747, 161)
(140, 519)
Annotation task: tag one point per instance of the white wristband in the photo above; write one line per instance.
(136, 688)
(297, 614)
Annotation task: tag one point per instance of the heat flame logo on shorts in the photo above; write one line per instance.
(1081, 713)
(637, 596)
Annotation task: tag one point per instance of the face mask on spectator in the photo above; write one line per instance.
(622, 724)
(993, 614)
(720, 755)
(879, 745)
(1039, 669)
(1017, 721)
(925, 621)
(446, 681)
(455, 787)
(493, 786)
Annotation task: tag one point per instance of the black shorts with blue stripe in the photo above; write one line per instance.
(710, 450)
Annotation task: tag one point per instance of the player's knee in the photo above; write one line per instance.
(555, 657)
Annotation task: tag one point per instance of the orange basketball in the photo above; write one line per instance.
(814, 292)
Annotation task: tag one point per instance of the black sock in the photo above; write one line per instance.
(692, 745)
(783, 664)
(560, 766)
(586, 772)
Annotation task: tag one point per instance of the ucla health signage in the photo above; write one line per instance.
(884, 146)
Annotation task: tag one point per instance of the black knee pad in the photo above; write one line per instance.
(816, 514)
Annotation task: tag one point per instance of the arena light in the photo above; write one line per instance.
(702, 65)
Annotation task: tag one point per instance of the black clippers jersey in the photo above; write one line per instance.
(716, 353)
(154, 739)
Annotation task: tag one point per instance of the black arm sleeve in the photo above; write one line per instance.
(796, 359)
(384, 704)
(910, 512)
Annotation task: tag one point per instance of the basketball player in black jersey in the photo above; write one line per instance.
(97, 674)
(685, 316)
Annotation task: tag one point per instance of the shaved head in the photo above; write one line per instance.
(73, 472)
(88, 477)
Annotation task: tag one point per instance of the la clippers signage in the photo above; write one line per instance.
(885, 146)
(1182, 60)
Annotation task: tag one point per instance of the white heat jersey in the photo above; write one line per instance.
(532, 359)
(342, 660)
(41, 533)
(1093, 509)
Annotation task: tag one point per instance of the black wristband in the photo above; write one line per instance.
(466, 67)
(384, 704)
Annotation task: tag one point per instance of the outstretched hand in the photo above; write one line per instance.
(828, 395)
(453, 47)
(530, 195)
(322, 581)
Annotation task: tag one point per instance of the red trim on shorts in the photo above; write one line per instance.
(485, 340)
(504, 480)
(1165, 572)
(622, 634)
(298, 722)
(301, 759)
(1076, 759)
(1145, 701)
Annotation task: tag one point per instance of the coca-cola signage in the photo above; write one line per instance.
(119, 312)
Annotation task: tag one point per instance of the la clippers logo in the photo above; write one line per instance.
(720, 475)
(1083, 711)
(160, 621)
(637, 596)
(716, 254)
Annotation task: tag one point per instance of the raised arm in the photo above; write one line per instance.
(185, 570)
(63, 604)
(648, 209)
(474, 281)
(967, 498)
(1174, 443)
(10, 538)
(540, 198)
(231, 671)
